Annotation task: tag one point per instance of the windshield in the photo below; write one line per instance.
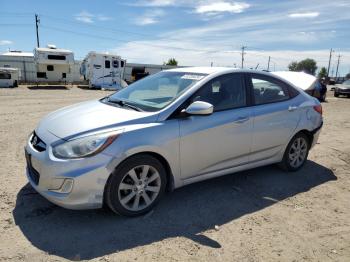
(155, 92)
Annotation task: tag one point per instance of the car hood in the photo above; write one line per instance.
(343, 86)
(88, 117)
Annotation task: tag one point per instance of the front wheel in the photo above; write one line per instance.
(336, 94)
(296, 153)
(136, 186)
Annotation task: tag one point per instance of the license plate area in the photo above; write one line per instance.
(33, 173)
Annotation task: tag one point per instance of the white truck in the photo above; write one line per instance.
(9, 77)
(103, 70)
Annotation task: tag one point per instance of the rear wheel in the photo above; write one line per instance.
(136, 186)
(296, 153)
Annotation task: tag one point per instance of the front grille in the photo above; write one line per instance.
(37, 143)
(32, 172)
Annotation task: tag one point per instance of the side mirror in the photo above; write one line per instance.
(199, 108)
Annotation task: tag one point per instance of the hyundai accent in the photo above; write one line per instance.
(168, 130)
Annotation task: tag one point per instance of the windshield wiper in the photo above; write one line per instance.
(124, 104)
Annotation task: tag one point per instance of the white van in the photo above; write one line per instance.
(103, 70)
(9, 77)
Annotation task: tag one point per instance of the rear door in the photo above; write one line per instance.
(221, 140)
(275, 116)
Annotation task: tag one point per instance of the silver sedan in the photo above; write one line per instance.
(168, 130)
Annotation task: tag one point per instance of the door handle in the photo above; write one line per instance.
(292, 108)
(241, 120)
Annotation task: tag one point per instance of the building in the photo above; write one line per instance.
(24, 61)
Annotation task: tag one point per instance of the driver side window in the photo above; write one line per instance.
(225, 92)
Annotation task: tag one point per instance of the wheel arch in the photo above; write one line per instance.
(308, 134)
(169, 174)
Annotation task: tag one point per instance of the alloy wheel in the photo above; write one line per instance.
(139, 187)
(298, 152)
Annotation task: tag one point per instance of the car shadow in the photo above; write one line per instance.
(86, 87)
(185, 212)
(47, 87)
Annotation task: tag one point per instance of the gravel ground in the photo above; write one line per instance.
(263, 214)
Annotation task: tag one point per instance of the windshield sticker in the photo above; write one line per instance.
(192, 77)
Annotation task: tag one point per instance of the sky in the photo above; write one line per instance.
(195, 32)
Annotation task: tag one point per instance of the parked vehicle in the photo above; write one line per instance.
(9, 77)
(135, 71)
(168, 130)
(103, 70)
(54, 64)
(343, 89)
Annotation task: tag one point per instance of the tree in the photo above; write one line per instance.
(347, 76)
(171, 62)
(307, 65)
(322, 73)
(293, 66)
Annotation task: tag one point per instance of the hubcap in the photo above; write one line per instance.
(297, 152)
(139, 187)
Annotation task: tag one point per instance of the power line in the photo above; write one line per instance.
(123, 39)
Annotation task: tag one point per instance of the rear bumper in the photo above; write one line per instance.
(316, 133)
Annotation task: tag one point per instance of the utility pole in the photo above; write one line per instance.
(329, 61)
(268, 64)
(336, 74)
(243, 53)
(37, 21)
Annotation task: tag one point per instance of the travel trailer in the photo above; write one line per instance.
(9, 77)
(134, 72)
(103, 70)
(54, 64)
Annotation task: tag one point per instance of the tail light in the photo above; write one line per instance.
(318, 109)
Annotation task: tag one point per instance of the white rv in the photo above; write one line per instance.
(54, 64)
(136, 71)
(9, 77)
(103, 70)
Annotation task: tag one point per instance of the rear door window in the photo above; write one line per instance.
(268, 90)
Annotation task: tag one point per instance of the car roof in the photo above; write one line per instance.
(202, 70)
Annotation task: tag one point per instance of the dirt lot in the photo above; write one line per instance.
(263, 214)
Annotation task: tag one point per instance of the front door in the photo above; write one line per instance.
(221, 140)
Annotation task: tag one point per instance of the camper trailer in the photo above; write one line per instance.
(103, 70)
(9, 77)
(135, 71)
(54, 64)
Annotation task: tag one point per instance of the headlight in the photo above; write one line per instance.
(83, 147)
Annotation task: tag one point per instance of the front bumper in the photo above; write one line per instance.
(342, 91)
(89, 176)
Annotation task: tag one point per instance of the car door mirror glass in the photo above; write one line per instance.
(199, 108)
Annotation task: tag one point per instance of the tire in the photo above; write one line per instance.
(336, 94)
(136, 185)
(288, 162)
